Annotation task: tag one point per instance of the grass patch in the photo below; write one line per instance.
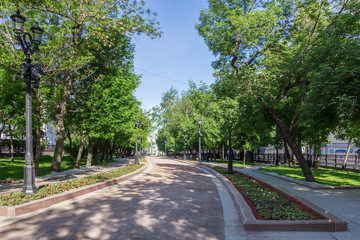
(18, 198)
(235, 163)
(328, 176)
(15, 170)
(267, 204)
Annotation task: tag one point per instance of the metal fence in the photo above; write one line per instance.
(333, 160)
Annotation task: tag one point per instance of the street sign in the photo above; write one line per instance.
(303, 149)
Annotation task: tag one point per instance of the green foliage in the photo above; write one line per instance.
(87, 56)
(283, 61)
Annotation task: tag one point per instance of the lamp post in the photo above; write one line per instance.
(277, 149)
(31, 74)
(184, 130)
(230, 163)
(199, 122)
(140, 139)
(137, 125)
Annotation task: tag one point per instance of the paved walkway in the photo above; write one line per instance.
(172, 201)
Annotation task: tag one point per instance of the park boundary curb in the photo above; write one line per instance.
(40, 204)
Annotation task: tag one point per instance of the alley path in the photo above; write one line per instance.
(173, 201)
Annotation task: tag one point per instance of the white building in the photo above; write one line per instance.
(153, 149)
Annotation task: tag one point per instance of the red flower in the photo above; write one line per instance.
(85, 182)
(70, 182)
(81, 182)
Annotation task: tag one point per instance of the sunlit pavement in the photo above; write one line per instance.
(173, 201)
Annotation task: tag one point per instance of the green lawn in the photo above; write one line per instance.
(15, 170)
(328, 176)
(236, 163)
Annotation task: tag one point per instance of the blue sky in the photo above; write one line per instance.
(178, 56)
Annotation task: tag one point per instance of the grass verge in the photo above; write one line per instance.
(328, 176)
(236, 163)
(15, 170)
(266, 203)
(218, 161)
(18, 198)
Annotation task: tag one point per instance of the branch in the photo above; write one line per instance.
(290, 85)
(316, 22)
(48, 10)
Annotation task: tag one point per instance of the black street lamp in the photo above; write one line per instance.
(199, 122)
(137, 125)
(184, 130)
(230, 162)
(140, 140)
(31, 74)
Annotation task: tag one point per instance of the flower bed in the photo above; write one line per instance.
(267, 203)
(17, 198)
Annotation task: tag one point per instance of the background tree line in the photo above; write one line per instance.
(284, 66)
(88, 88)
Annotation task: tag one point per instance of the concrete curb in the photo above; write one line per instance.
(332, 224)
(50, 201)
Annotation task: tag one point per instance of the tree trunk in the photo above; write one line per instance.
(11, 144)
(251, 153)
(317, 157)
(293, 160)
(287, 153)
(291, 142)
(70, 145)
(346, 155)
(112, 149)
(81, 148)
(60, 113)
(105, 151)
(96, 153)
(221, 154)
(244, 156)
(89, 155)
(61, 107)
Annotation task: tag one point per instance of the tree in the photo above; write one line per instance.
(268, 54)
